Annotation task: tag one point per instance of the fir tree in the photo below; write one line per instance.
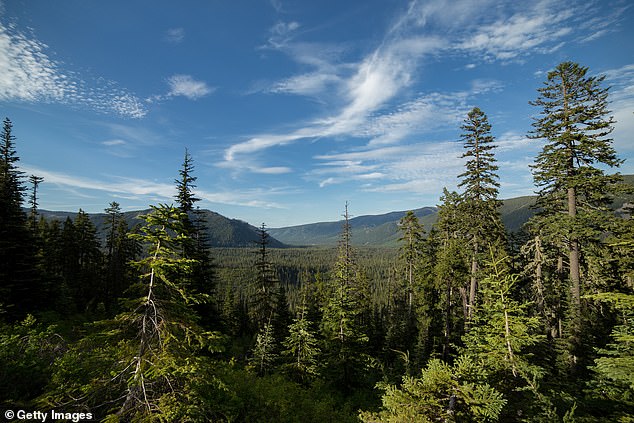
(341, 315)
(120, 250)
(263, 301)
(20, 285)
(35, 183)
(302, 346)
(85, 282)
(442, 393)
(202, 275)
(479, 200)
(264, 351)
(146, 364)
(573, 188)
(450, 269)
(411, 249)
(614, 368)
(185, 196)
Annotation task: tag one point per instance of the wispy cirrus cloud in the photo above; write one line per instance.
(621, 81)
(29, 74)
(281, 33)
(392, 168)
(147, 190)
(175, 35)
(540, 31)
(362, 93)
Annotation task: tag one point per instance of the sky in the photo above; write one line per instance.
(290, 109)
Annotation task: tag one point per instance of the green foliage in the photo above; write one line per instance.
(144, 364)
(342, 317)
(136, 342)
(502, 329)
(614, 368)
(185, 185)
(441, 393)
(27, 349)
(264, 355)
(302, 347)
(265, 283)
(20, 286)
(242, 396)
(574, 191)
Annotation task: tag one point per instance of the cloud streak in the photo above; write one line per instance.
(366, 89)
(136, 188)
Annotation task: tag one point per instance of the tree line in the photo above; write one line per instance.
(461, 323)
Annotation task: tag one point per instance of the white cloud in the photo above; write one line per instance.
(281, 33)
(423, 114)
(28, 74)
(508, 32)
(137, 188)
(277, 5)
(309, 84)
(187, 86)
(621, 99)
(521, 34)
(175, 35)
(110, 143)
(271, 170)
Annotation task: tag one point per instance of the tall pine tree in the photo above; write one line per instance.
(574, 190)
(479, 199)
(20, 287)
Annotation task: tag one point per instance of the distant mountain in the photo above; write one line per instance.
(382, 230)
(222, 231)
(371, 230)
(375, 230)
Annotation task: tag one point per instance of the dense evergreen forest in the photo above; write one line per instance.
(460, 323)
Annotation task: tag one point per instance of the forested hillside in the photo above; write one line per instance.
(462, 322)
(219, 230)
(383, 230)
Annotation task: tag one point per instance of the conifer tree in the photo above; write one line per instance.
(442, 393)
(574, 190)
(411, 249)
(344, 335)
(410, 326)
(302, 346)
(450, 269)
(146, 363)
(500, 340)
(185, 196)
(35, 183)
(89, 258)
(20, 287)
(264, 351)
(120, 250)
(614, 368)
(263, 302)
(202, 275)
(479, 199)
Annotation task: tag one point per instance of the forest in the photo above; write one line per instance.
(460, 323)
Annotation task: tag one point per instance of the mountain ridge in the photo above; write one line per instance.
(378, 230)
(384, 231)
(221, 231)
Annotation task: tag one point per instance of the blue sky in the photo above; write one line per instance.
(290, 108)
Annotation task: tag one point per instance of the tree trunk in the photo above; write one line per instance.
(473, 286)
(573, 252)
(445, 349)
